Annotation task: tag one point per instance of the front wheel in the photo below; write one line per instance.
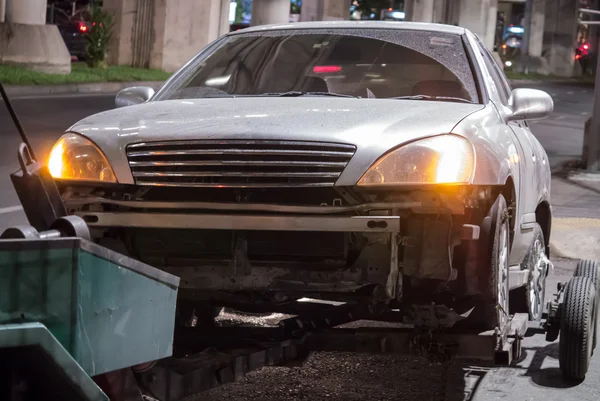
(531, 297)
(493, 249)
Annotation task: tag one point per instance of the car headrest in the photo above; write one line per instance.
(440, 88)
(315, 84)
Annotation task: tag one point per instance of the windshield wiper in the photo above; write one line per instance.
(428, 97)
(302, 93)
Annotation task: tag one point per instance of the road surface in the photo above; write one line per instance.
(347, 376)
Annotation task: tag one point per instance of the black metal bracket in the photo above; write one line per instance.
(552, 323)
(34, 185)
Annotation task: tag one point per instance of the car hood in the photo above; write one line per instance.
(374, 126)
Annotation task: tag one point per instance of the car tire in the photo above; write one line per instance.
(493, 249)
(576, 325)
(530, 298)
(591, 270)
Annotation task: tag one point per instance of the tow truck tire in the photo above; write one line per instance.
(576, 328)
(590, 269)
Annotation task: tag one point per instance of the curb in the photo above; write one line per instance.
(68, 89)
(575, 238)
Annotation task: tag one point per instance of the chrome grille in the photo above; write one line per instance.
(238, 163)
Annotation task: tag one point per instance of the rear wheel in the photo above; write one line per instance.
(576, 328)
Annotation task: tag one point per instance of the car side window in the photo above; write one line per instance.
(505, 86)
(500, 82)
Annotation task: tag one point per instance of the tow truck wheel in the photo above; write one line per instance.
(590, 269)
(530, 298)
(576, 328)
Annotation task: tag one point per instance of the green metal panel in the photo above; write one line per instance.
(109, 311)
(35, 285)
(37, 335)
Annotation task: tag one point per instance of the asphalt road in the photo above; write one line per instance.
(561, 134)
(367, 377)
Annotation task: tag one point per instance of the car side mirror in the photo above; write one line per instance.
(529, 104)
(133, 95)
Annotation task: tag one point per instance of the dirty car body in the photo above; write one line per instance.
(336, 160)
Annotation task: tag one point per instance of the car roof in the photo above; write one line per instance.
(420, 26)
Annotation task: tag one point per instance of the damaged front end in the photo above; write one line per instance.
(258, 245)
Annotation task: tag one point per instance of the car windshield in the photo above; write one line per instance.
(384, 63)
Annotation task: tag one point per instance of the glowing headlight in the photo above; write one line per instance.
(438, 160)
(75, 157)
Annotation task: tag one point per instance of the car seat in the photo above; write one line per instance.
(315, 84)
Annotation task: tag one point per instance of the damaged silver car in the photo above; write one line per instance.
(354, 162)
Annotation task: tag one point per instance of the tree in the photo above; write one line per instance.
(296, 6)
(98, 34)
(239, 11)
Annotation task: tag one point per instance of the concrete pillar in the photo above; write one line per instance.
(325, 10)
(30, 12)
(527, 25)
(2, 10)
(440, 11)
(490, 25)
(270, 12)
(189, 26)
(479, 16)
(125, 14)
(451, 12)
(164, 34)
(419, 10)
(536, 36)
(26, 40)
(560, 36)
